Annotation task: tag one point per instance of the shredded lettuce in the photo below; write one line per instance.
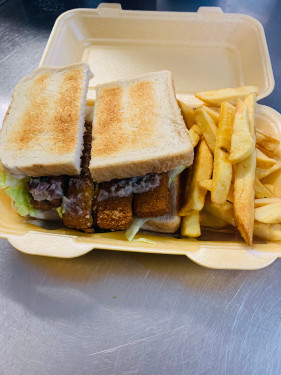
(134, 228)
(174, 173)
(143, 239)
(16, 189)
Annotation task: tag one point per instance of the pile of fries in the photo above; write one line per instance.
(227, 183)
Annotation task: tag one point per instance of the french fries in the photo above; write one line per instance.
(223, 211)
(266, 143)
(264, 201)
(222, 173)
(190, 225)
(195, 134)
(214, 113)
(264, 172)
(263, 161)
(207, 184)
(269, 232)
(244, 193)
(211, 221)
(271, 188)
(261, 191)
(269, 214)
(216, 97)
(243, 197)
(251, 105)
(187, 114)
(208, 127)
(243, 187)
(200, 170)
(242, 142)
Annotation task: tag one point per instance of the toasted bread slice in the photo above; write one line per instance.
(42, 131)
(169, 223)
(138, 128)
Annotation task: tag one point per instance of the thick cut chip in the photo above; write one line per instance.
(242, 143)
(195, 134)
(261, 191)
(251, 105)
(244, 191)
(273, 183)
(207, 184)
(264, 201)
(263, 161)
(269, 232)
(264, 172)
(243, 197)
(187, 114)
(208, 127)
(216, 97)
(269, 214)
(271, 188)
(190, 225)
(222, 173)
(224, 211)
(201, 170)
(211, 221)
(213, 112)
(267, 143)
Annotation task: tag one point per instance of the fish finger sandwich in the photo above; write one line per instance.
(116, 172)
(139, 140)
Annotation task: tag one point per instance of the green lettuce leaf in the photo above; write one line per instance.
(16, 189)
(60, 211)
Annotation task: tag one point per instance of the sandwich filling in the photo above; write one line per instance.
(88, 206)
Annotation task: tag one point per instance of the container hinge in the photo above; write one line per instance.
(109, 9)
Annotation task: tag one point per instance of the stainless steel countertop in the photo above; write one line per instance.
(126, 313)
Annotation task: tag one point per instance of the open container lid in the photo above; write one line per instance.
(203, 50)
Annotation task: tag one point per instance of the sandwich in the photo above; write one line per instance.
(116, 172)
(41, 139)
(139, 144)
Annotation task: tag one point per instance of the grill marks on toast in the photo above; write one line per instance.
(141, 100)
(56, 127)
(125, 119)
(67, 110)
(109, 122)
(33, 116)
(149, 134)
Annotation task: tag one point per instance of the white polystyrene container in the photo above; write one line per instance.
(204, 50)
